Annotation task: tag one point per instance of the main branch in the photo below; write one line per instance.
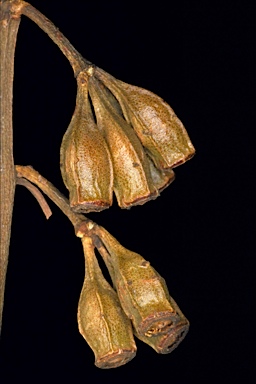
(9, 24)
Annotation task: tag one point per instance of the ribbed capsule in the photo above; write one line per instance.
(158, 128)
(101, 320)
(166, 342)
(86, 164)
(133, 183)
(141, 291)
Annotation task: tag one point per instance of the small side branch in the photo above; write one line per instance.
(29, 173)
(82, 225)
(37, 194)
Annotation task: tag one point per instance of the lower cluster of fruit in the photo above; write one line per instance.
(138, 304)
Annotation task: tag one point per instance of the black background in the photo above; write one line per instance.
(199, 57)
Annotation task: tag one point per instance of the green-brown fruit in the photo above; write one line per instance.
(141, 291)
(101, 320)
(85, 159)
(158, 128)
(133, 182)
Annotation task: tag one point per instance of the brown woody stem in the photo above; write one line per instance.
(82, 225)
(29, 173)
(9, 24)
(77, 62)
(10, 11)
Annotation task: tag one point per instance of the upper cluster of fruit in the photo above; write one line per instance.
(121, 139)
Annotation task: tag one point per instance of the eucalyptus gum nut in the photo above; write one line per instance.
(133, 182)
(101, 320)
(158, 128)
(141, 291)
(86, 164)
(161, 178)
(167, 342)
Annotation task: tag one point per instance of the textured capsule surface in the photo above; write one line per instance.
(141, 291)
(133, 183)
(157, 126)
(86, 164)
(101, 320)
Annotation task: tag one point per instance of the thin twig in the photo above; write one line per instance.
(77, 62)
(53, 193)
(37, 194)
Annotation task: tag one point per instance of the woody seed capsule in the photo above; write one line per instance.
(141, 290)
(101, 320)
(86, 164)
(160, 131)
